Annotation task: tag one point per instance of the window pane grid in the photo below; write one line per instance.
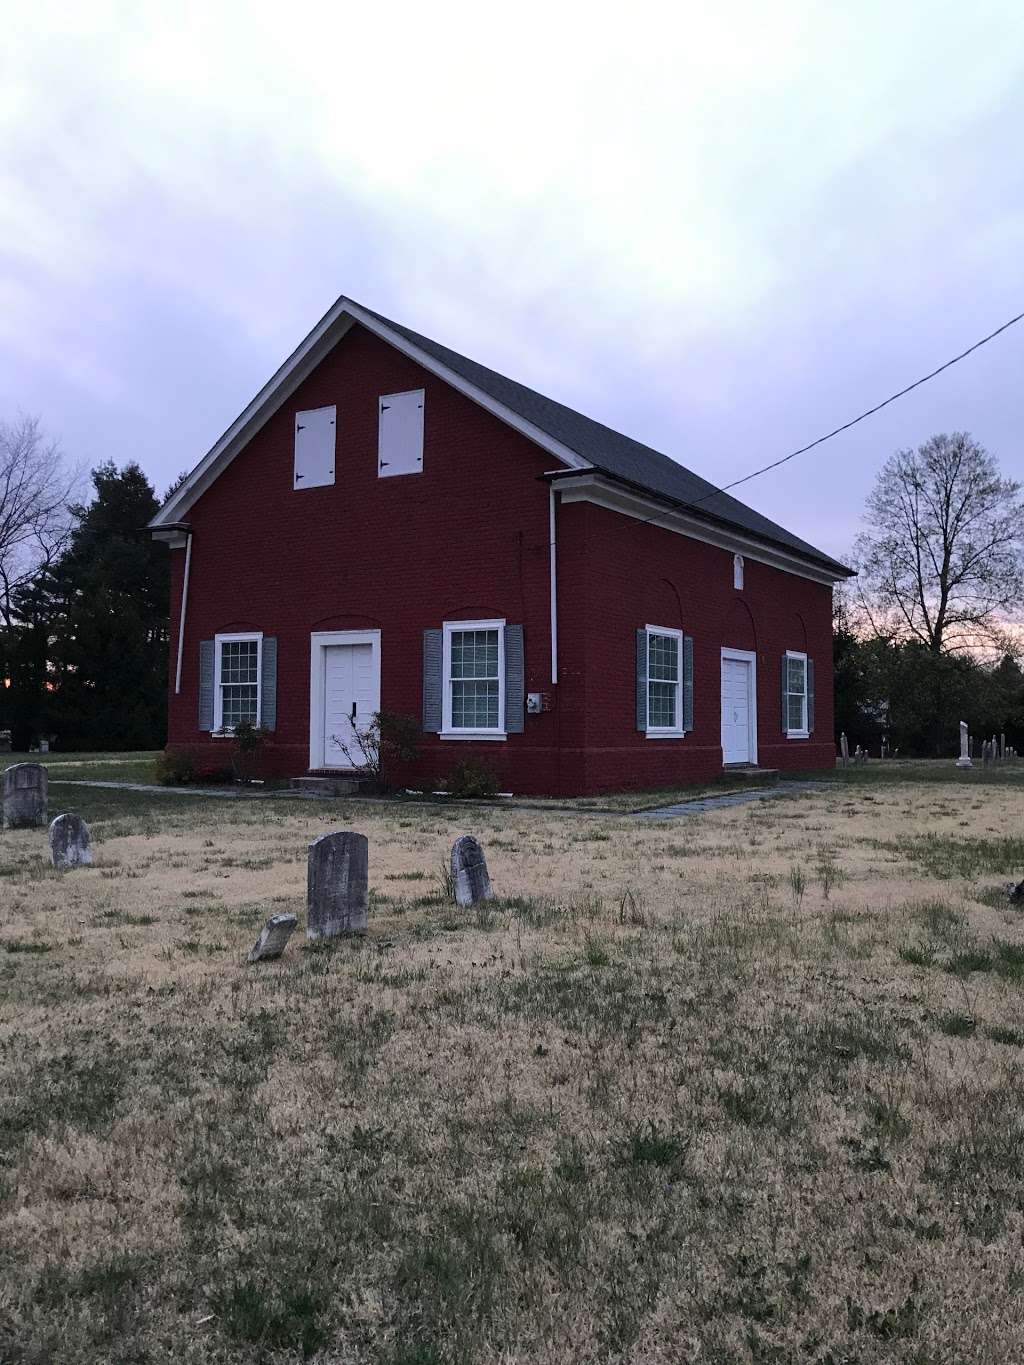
(796, 692)
(662, 682)
(475, 705)
(239, 683)
(475, 654)
(661, 705)
(238, 661)
(474, 679)
(663, 658)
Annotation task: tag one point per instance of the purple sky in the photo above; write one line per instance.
(723, 234)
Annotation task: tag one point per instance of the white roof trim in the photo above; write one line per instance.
(302, 361)
(591, 487)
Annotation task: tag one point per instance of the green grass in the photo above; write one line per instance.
(132, 766)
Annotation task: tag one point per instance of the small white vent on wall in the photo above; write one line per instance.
(314, 447)
(400, 434)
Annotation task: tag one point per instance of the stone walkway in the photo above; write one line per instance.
(706, 803)
(698, 806)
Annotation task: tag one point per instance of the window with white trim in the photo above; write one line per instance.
(796, 694)
(474, 677)
(664, 680)
(737, 571)
(236, 688)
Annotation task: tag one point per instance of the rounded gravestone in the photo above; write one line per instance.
(470, 877)
(25, 792)
(70, 845)
(337, 898)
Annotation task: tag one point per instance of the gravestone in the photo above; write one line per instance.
(273, 938)
(844, 748)
(337, 889)
(469, 872)
(69, 842)
(25, 796)
(5, 741)
(964, 761)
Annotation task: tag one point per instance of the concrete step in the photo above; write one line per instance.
(326, 786)
(747, 770)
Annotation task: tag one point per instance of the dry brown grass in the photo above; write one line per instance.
(766, 1108)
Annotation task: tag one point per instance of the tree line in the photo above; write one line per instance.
(84, 601)
(930, 632)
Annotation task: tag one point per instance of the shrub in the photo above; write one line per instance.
(472, 778)
(176, 768)
(247, 745)
(389, 738)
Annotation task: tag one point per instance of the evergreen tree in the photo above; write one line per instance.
(109, 629)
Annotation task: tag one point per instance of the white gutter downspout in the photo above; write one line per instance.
(184, 607)
(554, 584)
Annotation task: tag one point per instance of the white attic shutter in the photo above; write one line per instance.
(400, 434)
(314, 447)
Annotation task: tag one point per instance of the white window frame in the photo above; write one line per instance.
(803, 732)
(666, 731)
(218, 697)
(447, 729)
(737, 572)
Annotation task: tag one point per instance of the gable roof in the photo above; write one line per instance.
(577, 441)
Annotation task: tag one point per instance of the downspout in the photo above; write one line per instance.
(184, 607)
(554, 583)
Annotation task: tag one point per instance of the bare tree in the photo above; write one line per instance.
(942, 560)
(36, 489)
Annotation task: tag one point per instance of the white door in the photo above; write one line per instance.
(351, 688)
(736, 713)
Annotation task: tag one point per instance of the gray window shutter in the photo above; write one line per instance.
(515, 680)
(268, 683)
(433, 651)
(810, 696)
(687, 682)
(641, 680)
(785, 695)
(206, 648)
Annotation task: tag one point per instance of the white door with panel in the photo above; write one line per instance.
(739, 744)
(345, 695)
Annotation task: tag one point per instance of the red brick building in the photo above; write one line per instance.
(391, 526)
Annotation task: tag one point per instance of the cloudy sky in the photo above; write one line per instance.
(721, 228)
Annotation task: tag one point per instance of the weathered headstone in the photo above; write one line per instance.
(469, 872)
(964, 761)
(844, 748)
(273, 938)
(70, 845)
(25, 790)
(337, 886)
(5, 741)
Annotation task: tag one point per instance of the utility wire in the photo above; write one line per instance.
(853, 422)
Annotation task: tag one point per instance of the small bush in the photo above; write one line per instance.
(176, 768)
(472, 778)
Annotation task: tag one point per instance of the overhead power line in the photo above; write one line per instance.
(853, 422)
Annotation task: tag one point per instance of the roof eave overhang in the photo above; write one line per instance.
(303, 360)
(617, 494)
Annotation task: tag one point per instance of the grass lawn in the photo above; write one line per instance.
(133, 766)
(741, 1087)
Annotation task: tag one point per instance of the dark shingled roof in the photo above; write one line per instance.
(615, 454)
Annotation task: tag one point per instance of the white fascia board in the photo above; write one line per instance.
(604, 493)
(321, 340)
(172, 537)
